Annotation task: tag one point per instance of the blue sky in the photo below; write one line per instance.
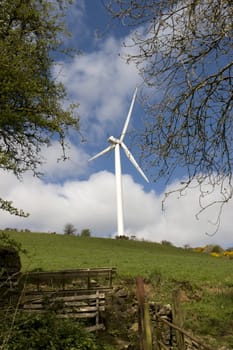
(82, 192)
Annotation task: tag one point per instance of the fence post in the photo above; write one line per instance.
(97, 308)
(88, 279)
(178, 319)
(144, 324)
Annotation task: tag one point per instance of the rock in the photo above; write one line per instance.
(9, 261)
(134, 327)
(122, 344)
(122, 293)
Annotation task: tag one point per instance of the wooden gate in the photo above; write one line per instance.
(78, 294)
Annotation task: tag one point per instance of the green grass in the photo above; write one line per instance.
(132, 258)
(207, 281)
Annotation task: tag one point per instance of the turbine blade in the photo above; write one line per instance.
(106, 150)
(128, 116)
(133, 161)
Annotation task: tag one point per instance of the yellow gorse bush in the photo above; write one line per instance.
(217, 255)
(199, 249)
(230, 254)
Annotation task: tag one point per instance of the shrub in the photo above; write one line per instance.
(166, 243)
(216, 255)
(217, 249)
(213, 249)
(85, 233)
(229, 254)
(199, 249)
(123, 237)
(7, 241)
(229, 249)
(37, 332)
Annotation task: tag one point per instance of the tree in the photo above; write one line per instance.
(31, 99)
(183, 51)
(85, 233)
(70, 230)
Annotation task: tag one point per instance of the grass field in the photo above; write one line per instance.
(207, 281)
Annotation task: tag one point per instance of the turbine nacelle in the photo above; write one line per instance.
(113, 140)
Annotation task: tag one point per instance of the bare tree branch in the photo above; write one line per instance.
(183, 51)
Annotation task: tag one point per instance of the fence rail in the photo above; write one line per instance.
(92, 278)
(186, 334)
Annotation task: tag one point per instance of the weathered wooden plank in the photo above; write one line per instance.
(80, 303)
(64, 292)
(39, 311)
(77, 315)
(82, 309)
(87, 299)
(81, 297)
(65, 315)
(66, 303)
(67, 308)
(33, 306)
(69, 279)
(95, 328)
(68, 274)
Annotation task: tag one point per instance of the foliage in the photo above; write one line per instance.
(167, 243)
(31, 101)
(229, 249)
(211, 248)
(11, 249)
(229, 254)
(8, 206)
(70, 230)
(85, 233)
(45, 332)
(217, 249)
(123, 237)
(7, 241)
(183, 51)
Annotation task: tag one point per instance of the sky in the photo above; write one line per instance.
(83, 193)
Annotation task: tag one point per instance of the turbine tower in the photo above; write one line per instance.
(116, 144)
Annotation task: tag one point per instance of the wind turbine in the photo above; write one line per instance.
(116, 144)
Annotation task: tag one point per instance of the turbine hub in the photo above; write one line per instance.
(113, 140)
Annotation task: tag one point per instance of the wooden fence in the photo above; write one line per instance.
(94, 278)
(189, 341)
(162, 332)
(76, 294)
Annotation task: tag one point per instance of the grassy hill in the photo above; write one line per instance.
(206, 281)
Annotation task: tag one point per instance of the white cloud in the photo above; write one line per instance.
(55, 169)
(102, 83)
(91, 204)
